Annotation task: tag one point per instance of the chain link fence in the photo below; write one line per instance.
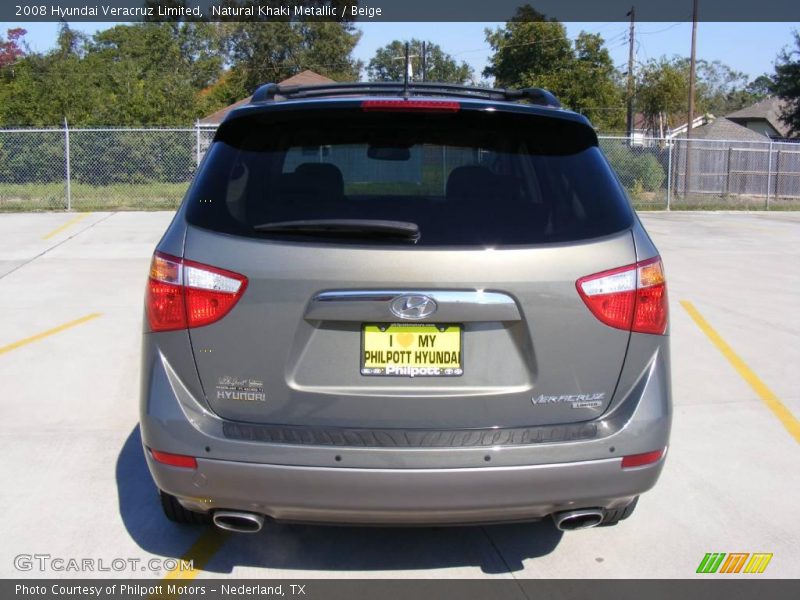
(150, 169)
(98, 169)
(676, 173)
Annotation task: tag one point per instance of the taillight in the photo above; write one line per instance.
(633, 298)
(174, 460)
(183, 294)
(411, 105)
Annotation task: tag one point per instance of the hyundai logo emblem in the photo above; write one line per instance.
(413, 306)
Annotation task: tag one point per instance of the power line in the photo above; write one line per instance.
(688, 16)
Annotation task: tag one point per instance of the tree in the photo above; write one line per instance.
(45, 89)
(529, 51)
(722, 90)
(594, 87)
(388, 64)
(137, 74)
(533, 51)
(263, 52)
(12, 48)
(787, 84)
(147, 77)
(761, 87)
(662, 88)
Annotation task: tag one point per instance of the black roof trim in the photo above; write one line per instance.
(271, 92)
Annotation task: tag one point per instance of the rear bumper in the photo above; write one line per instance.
(501, 478)
(404, 496)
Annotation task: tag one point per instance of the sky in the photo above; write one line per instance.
(747, 47)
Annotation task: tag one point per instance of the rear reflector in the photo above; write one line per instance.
(640, 460)
(174, 460)
(633, 297)
(411, 105)
(182, 294)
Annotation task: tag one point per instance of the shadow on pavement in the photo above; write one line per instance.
(494, 549)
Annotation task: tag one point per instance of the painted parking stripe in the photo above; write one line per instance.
(70, 223)
(787, 419)
(200, 553)
(48, 333)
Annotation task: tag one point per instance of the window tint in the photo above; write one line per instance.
(470, 178)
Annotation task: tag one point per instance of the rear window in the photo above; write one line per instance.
(466, 179)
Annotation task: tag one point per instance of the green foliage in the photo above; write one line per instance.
(165, 74)
(761, 87)
(272, 52)
(662, 90)
(28, 157)
(532, 51)
(638, 170)
(787, 84)
(388, 64)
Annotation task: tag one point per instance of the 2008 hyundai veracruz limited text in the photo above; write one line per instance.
(381, 304)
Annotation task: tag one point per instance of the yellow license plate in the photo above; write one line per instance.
(402, 350)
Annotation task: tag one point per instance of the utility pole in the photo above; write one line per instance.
(692, 65)
(407, 69)
(424, 61)
(629, 120)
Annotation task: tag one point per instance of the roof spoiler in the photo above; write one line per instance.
(271, 92)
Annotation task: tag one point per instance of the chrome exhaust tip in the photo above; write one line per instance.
(572, 520)
(238, 521)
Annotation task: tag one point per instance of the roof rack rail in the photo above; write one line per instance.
(271, 92)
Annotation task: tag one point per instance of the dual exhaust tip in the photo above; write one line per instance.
(247, 522)
(572, 520)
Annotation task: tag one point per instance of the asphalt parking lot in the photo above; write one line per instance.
(76, 484)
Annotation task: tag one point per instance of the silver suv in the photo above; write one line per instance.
(411, 305)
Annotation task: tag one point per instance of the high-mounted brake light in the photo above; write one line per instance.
(174, 460)
(183, 294)
(633, 297)
(411, 105)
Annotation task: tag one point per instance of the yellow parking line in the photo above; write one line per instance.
(200, 554)
(787, 419)
(69, 223)
(48, 333)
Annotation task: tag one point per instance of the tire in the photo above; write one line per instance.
(615, 515)
(176, 513)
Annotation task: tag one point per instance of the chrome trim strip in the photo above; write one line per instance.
(374, 305)
(471, 297)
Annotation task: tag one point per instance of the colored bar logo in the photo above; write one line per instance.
(735, 562)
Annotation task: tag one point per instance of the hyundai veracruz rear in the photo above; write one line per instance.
(386, 306)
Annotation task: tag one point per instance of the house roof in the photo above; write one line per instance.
(303, 78)
(725, 129)
(768, 109)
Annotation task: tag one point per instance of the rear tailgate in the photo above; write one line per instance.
(512, 209)
(281, 357)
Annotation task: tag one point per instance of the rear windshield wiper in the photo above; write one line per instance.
(362, 228)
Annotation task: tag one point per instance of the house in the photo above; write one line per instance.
(303, 78)
(723, 128)
(644, 135)
(763, 117)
